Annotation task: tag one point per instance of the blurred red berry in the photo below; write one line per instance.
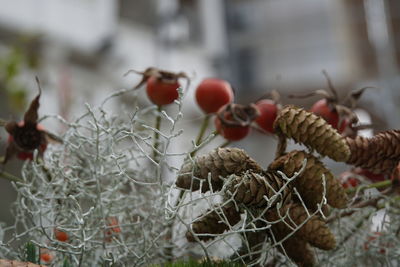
(348, 180)
(61, 235)
(339, 114)
(27, 155)
(231, 133)
(162, 92)
(114, 224)
(112, 228)
(373, 242)
(212, 94)
(351, 182)
(373, 177)
(233, 120)
(161, 86)
(326, 111)
(268, 112)
(46, 256)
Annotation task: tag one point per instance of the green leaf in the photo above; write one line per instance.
(66, 263)
(30, 252)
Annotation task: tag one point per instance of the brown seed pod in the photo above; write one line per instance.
(312, 131)
(27, 135)
(215, 222)
(378, 154)
(220, 162)
(253, 189)
(313, 229)
(309, 183)
(299, 251)
(237, 115)
(164, 76)
(251, 249)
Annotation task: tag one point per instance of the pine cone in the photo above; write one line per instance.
(298, 251)
(309, 182)
(219, 162)
(252, 188)
(314, 230)
(214, 222)
(312, 131)
(253, 241)
(379, 154)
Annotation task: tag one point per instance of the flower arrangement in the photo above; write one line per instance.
(106, 193)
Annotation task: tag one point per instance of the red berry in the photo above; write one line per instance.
(61, 235)
(231, 133)
(370, 175)
(114, 224)
(24, 155)
(212, 94)
(375, 239)
(162, 92)
(323, 109)
(46, 255)
(347, 180)
(268, 112)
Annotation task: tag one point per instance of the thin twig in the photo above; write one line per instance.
(10, 177)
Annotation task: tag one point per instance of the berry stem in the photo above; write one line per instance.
(203, 128)
(156, 134)
(3, 122)
(227, 143)
(10, 177)
(377, 185)
(282, 144)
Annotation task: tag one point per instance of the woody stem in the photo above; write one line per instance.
(378, 185)
(10, 177)
(202, 131)
(225, 144)
(156, 134)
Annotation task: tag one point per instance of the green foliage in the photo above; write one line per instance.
(30, 253)
(66, 263)
(11, 65)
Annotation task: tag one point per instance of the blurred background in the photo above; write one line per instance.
(80, 50)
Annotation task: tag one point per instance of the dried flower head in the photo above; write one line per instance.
(27, 135)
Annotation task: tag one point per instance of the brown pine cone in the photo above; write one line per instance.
(214, 222)
(314, 229)
(252, 244)
(252, 188)
(312, 131)
(219, 162)
(309, 182)
(298, 251)
(378, 154)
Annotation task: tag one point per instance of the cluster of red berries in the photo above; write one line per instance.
(213, 97)
(112, 229)
(232, 121)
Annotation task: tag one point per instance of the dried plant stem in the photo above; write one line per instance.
(362, 204)
(156, 134)
(378, 185)
(356, 228)
(10, 177)
(3, 122)
(281, 147)
(202, 131)
(225, 144)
